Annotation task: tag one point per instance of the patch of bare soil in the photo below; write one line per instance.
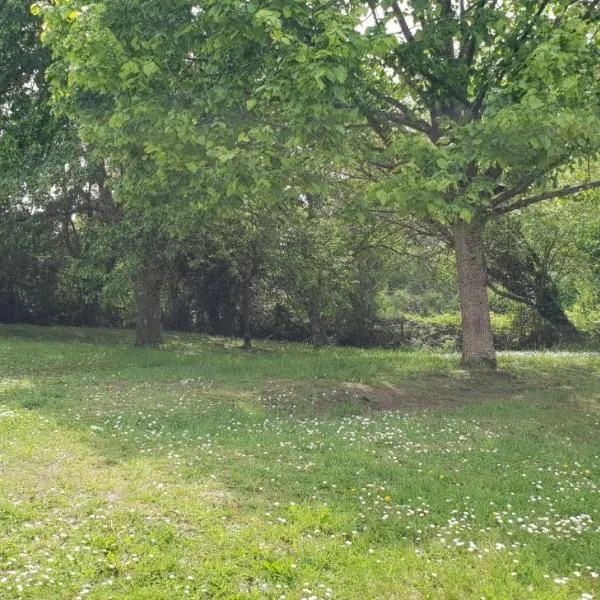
(442, 391)
(432, 392)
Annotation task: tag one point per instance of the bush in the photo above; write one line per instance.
(516, 330)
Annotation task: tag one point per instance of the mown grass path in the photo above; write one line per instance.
(202, 471)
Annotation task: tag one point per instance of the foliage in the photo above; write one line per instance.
(27, 130)
(528, 272)
(451, 112)
(561, 236)
(31, 256)
(317, 266)
(460, 133)
(238, 195)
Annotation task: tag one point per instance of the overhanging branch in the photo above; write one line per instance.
(502, 291)
(561, 193)
(400, 119)
(404, 115)
(508, 194)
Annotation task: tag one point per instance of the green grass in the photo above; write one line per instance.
(203, 471)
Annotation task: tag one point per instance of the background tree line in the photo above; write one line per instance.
(312, 171)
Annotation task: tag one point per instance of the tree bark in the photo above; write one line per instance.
(548, 306)
(148, 284)
(477, 339)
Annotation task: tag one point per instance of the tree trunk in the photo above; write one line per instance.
(548, 306)
(148, 283)
(214, 317)
(477, 339)
(246, 315)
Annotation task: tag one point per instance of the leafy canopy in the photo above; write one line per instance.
(447, 108)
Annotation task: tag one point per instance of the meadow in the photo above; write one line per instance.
(199, 470)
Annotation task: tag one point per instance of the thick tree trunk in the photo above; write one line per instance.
(477, 339)
(148, 283)
(245, 310)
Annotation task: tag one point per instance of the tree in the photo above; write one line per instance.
(519, 271)
(316, 265)
(479, 108)
(44, 176)
(151, 90)
(475, 110)
(229, 253)
(566, 233)
(456, 111)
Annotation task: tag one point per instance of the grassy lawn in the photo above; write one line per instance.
(202, 471)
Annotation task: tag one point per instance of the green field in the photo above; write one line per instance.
(203, 471)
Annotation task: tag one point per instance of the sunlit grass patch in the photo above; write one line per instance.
(202, 471)
(11, 385)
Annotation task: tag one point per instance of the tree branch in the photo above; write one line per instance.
(512, 192)
(406, 32)
(501, 291)
(405, 116)
(507, 194)
(566, 191)
(389, 100)
(373, 7)
(417, 125)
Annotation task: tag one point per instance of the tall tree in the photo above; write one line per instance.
(161, 92)
(454, 110)
(43, 174)
(479, 107)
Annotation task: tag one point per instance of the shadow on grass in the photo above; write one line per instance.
(301, 443)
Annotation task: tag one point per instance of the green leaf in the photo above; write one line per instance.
(534, 102)
(223, 155)
(268, 17)
(129, 68)
(340, 72)
(149, 68)
(116, 121)
(466, 214)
